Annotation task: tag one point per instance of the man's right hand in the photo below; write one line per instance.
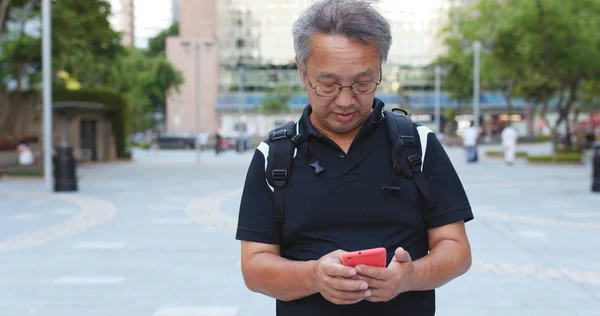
(332, 280)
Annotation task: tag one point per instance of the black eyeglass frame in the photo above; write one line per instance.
(341, 87)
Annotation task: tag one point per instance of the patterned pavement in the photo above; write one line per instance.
(155, 237)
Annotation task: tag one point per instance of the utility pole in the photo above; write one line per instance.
(476, 61)
(438, 84)
(198, 86)
(47, 93)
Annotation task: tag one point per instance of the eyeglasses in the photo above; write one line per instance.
(328, 90)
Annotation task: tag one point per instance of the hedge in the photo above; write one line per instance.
(498, 154)
(115, 104)
(560, 158)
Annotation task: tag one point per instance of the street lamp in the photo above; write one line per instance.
(438, 88)
(47, 92)
(477, 47)
(197, 47)
(476, 70)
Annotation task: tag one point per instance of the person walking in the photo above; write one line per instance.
(346, 189)
(509, 137)
(470, 136)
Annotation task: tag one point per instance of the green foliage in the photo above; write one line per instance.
(276, 100)
(500, 154)
(571, 158)
(542, 50)
(145, 82)
(83, 43)
(116, 104)
(157, 45)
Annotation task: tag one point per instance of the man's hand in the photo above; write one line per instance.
(331, 279)
(386, 283)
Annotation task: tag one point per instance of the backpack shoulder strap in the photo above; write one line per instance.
(406, 154)
(282, 146)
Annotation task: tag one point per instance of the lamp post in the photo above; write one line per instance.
(476, 69)
(197, 47)
(438, 88)
(47, 93)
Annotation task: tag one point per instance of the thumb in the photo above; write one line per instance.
(402, 255)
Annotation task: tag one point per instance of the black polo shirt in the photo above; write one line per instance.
(345, 208)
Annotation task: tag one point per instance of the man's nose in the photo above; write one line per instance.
(345, 98)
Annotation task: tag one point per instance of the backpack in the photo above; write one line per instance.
(406, 157)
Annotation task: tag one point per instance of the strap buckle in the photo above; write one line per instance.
(277, 135)
(279, 177)
(415, 162)
(297, 139)
(409, 141)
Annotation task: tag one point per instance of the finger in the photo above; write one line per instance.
(378, 295)
(374, 272)
(340, 301)
(349, 296)
(334, 269)
(402, 255)
(342, 284)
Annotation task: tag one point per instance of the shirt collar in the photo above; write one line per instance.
(307, 129)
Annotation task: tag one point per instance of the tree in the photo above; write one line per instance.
(157, 45)
(276, 100)
(83, 43)
(145, 82)
(542, 50)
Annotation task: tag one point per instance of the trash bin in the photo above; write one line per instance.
(65, 177)
(596, 166)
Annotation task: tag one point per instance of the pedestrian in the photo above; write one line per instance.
(218, 143)
(25, 154)
(202, 140)
(509, 137)
(154, 143)
(343, 191)
(470, 136)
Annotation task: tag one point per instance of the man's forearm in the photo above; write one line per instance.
(280, 278)
(446, 261)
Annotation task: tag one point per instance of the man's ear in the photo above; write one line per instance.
(300, 71)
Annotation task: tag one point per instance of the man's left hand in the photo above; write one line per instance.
(386, 283)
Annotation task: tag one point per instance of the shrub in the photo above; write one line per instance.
(500, 154)
(560, 158)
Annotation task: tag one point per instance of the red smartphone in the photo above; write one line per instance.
(372, 257)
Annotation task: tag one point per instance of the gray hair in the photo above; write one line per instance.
(355, 19)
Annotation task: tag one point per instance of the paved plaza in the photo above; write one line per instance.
(155, 237)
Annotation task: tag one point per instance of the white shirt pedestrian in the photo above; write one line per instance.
(25, 155)
(509, 137)
(470, 135)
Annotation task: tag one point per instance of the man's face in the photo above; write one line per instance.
(338, 59)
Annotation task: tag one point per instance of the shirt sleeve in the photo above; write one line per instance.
(256, 217)
(447, 189)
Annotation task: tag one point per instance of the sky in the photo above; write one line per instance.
(151, 17)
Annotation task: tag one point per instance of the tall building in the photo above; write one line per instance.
(176, 7)
(127, 22)
(138, 21)
(195, 53)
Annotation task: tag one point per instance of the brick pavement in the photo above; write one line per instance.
(155, 237)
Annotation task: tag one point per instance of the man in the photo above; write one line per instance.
(340, 46)
(470, 135)
(509, 137)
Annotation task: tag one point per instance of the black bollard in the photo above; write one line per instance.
(65, 177)
(596, 166)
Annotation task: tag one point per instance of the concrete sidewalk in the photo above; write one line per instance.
(156, 237)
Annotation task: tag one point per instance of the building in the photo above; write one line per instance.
(195, 53)
(127, 16)
(139, 22)
(256, 34)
